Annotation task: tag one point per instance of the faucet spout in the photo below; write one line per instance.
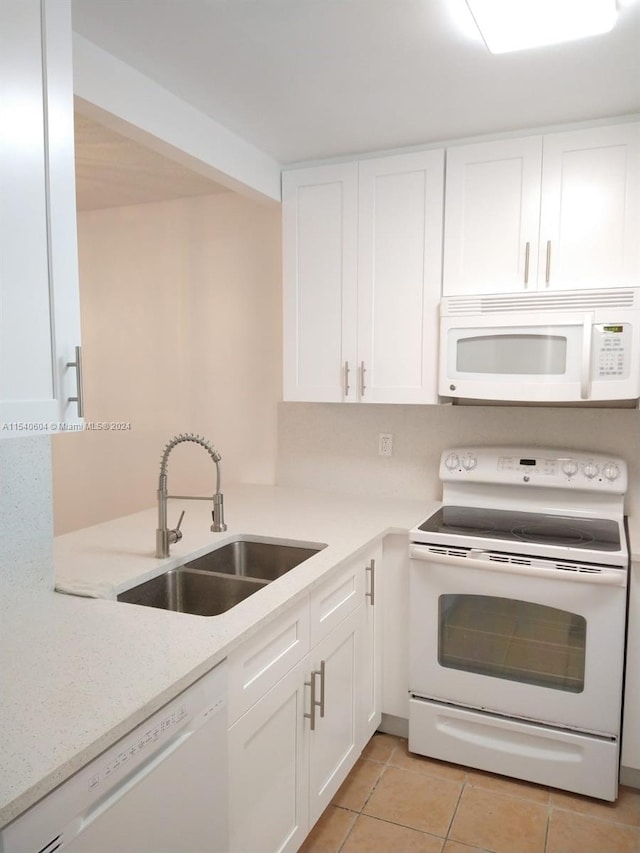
(164, 536)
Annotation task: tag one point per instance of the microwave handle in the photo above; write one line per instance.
(585, 368)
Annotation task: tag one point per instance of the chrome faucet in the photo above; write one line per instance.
(165, 537)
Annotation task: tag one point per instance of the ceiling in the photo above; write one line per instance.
(113, 171)
(310, 79)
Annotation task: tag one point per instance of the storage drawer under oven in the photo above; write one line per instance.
(584, 764)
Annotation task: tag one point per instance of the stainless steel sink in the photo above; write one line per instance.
(217, 581)
(249, 559)
(187, 591)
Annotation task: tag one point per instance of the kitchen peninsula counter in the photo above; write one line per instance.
(78, 673)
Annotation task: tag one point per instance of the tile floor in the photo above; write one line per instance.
(396, 802)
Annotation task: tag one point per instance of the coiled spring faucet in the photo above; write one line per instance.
(165, 537)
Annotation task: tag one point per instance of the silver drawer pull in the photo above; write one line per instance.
(363, 387)
(527, 250)
(79, 398)
(346, 379)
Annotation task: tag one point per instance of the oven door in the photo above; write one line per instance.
(534, 642)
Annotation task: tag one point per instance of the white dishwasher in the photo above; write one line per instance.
(161, 789)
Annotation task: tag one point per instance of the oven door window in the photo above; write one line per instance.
(514, 640)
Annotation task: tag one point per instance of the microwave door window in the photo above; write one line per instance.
(512, 355)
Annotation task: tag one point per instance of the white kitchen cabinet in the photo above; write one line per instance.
(362, 265)
(39, 294)
(590, 208)
(269, 770)
(492, 216)
(287, 756)
(320, 236)
(371, 685)
(559, 211)
(335, 742)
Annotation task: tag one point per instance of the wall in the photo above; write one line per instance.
(181, 332)
(26, 529)
(335, 446)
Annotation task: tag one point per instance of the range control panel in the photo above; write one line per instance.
(537, 466)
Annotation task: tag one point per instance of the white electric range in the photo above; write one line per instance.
(518, 615)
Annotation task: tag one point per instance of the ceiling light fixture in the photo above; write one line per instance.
(508, 25)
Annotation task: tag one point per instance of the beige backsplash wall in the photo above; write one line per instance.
(335, 447)
(181, 332)
(181, 307)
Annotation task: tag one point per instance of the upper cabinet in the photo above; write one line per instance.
(560, 211)
(39, 301)
(362, 270)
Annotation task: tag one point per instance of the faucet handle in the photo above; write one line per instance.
(176, 534)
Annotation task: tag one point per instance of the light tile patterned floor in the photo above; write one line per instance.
(395, 802)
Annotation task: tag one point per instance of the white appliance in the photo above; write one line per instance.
(160, 789)
(518, 597)
(552, 346)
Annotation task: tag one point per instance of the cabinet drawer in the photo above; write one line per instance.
(337, 597)
(264, 658)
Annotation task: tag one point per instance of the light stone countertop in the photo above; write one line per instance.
(77, 674)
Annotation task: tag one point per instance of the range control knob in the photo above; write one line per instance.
(451, 461)
(590, 470)
(611, 471)
(469, 462)
(569, 467)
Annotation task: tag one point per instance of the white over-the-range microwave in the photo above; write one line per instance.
(545, 347)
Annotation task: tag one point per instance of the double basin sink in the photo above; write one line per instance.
(217, 581)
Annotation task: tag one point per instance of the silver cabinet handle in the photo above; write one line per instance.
(322, 675)
(346, 379)
(372, 594)
(312, 708)
(314, 702)
(79, 398)
(547, 275)
(527, 249)
(363, 387)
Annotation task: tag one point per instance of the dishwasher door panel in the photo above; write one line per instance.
(160, 789)
(169, 807)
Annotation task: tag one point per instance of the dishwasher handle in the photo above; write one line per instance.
(482, 560)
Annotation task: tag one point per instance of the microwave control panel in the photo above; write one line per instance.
(611, 351)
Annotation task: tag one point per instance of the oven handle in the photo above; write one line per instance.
(603, 577)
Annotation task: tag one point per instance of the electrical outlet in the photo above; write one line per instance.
(385, 444)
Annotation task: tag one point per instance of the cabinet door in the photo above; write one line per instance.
(268, 770)
(39, 312)
(320, 221)
(399, 277)
(371, 673)
(335, 742)
(492, 214)
(590, 217)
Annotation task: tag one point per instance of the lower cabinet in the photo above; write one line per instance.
(269, 769)
(334, 741)
(292, 749)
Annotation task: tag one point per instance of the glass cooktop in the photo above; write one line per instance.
(596, 534)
